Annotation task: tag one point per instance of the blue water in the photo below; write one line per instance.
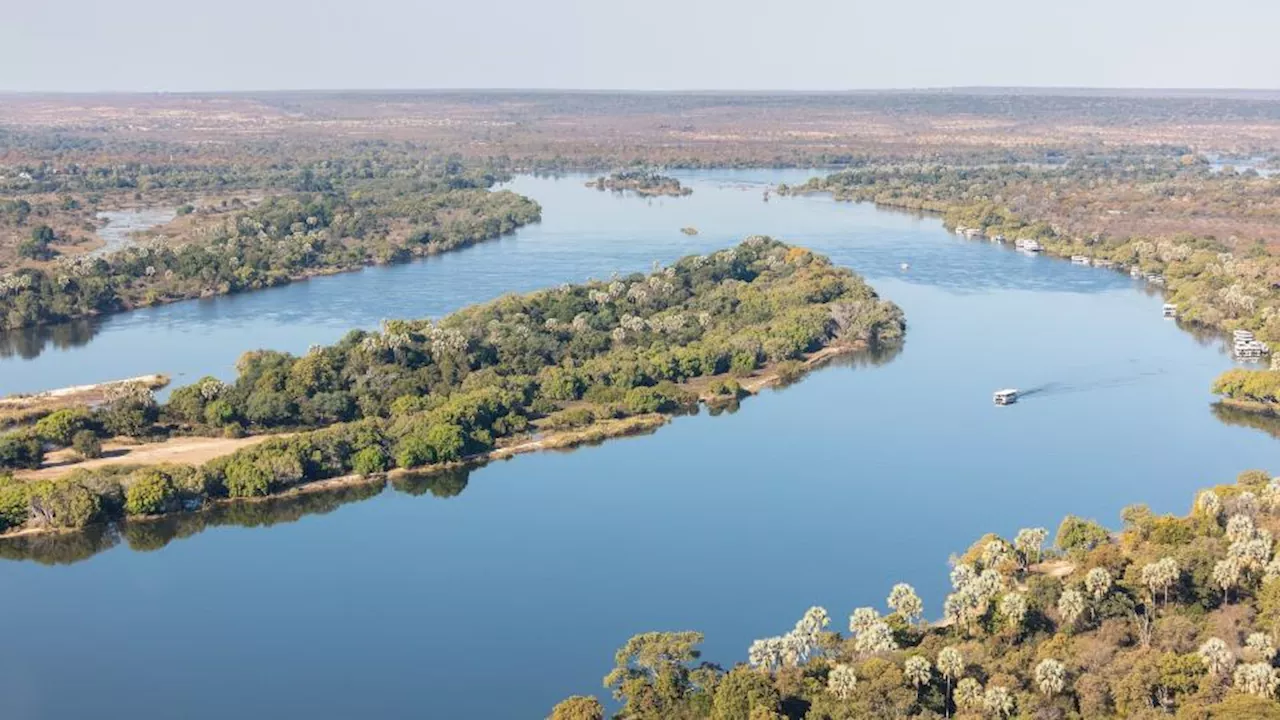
(515, 593)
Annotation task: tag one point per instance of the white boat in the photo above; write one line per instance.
(1170, 310)
(1008, 396)
(906, 266)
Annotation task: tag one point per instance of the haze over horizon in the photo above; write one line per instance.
(717, 45)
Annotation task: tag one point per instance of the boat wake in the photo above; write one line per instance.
(1066, 388)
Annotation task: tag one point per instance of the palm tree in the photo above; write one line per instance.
(1257, 679)
(1098, 582)
(842, 681)
(1162, 574)
(969, 693)
(1070, 606)
(998, 701)
(1226, 575)
(1051, 677)
(1217, 657)
(918, 671)
(1013, 606)
(1260, 647)
(904, 601)
(1028, 542)
(950, 664)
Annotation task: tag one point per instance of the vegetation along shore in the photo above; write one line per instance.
(1168, 617)
(560, 366)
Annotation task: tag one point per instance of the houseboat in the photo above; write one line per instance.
(1155, 279)
(1028, 245)
(1170, 310)
(1007, 396)
(1135, 272)
(1079, 259)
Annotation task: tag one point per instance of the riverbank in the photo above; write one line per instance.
(24, 409)
(199, 450)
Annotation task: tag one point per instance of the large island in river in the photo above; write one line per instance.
(549, 369)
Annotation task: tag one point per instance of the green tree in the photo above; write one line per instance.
(20, 451)
(741, 692)
(370, 461)
(151, 492)
(87, 444)
(651, 674)
(578, 707)
(59, 426)
(1078, 534)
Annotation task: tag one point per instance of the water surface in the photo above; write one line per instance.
(530, 573)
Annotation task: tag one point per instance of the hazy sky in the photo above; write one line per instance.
(635, 44)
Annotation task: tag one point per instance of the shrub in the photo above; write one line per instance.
(218, 413)
(370, 461)
(569, 419)
(789, 370)
(87, 444)
(15, 506)
(63, 504)
(1079, 534)
(20, 450)
(245, 479)
(414, 451)
(60, 426)
(150, 492)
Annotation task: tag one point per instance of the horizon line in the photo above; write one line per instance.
(957, 89)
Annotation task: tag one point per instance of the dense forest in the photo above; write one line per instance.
(422, 393)
(1168, 617)
(283, 238)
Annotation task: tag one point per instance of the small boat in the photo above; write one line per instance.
(906, 266)
(1007, 396)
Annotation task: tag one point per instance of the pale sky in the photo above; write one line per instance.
(177, 45)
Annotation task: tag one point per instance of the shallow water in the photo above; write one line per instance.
(122, 224)
(826, 492)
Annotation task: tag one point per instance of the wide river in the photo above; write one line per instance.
(498, 600)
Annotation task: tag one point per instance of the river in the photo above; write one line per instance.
(495, 594)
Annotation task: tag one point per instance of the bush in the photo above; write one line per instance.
(569, 419)
(63, 504)
(414, 451)
(1079, 534)
(744, 363)
(87, 444)
(60, 426)
(789, 371)
(370, 461)
(218, 413)
(20, 451)
(725, 387)
(15, 506)
(132, 417)
(578, 707)
(150, 492)
(245, 479)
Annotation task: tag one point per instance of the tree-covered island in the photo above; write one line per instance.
(640, 182)
(552, 368)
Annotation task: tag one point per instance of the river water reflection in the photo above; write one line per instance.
(417, 601)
